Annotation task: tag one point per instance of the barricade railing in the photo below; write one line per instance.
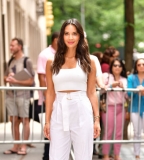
(33, 139)
(131, 136)
(3, 133)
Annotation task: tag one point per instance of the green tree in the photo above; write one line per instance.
(129, 32)
(100, 20)
(104, 21)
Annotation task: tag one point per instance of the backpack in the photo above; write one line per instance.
(24, 66)
(24, 62)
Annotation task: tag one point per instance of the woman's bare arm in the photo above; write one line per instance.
(91, 92)
(50, 97)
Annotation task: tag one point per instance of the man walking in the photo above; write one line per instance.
(17, 102)
(46, 54)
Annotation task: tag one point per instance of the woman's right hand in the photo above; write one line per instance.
(47, 130)
(97, 129)
(141, 89)
(115, 83)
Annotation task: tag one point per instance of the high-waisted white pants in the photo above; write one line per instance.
(71, 124)
(138, 126)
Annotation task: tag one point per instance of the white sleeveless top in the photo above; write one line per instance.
(70, 79)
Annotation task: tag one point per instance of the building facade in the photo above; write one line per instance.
(23, 19)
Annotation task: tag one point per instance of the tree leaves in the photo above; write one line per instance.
(101, 17)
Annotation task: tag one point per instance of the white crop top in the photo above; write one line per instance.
(70, 79)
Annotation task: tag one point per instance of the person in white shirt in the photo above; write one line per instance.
(45, 55)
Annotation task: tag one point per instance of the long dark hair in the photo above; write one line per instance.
(105, 59)
(123, 72)
(108, 53)
(135, 66)
(82, 51)
(98, 55)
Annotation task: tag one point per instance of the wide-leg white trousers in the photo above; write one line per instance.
(71, 124)
(138, 126)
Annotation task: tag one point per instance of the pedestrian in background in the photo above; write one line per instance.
(136, 80)
(71, 100)
(113, 120)
(45, 55)
(99, 55)
(100, 84)
(17, 102)
(109, 54)
(96, 59)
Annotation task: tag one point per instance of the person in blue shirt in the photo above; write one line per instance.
(136, 81)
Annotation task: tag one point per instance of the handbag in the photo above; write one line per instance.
(103, 97)
(103, 102)
(34, 107)
(42, 119)
(127, 109)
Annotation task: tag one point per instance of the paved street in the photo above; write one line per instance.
(36, 153)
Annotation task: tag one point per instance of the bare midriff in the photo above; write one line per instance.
(68, 91)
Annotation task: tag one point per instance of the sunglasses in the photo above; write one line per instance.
(117, 65)
(141, 64)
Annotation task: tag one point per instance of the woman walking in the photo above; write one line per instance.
(71, 100)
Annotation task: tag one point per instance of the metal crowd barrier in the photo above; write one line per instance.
(130, 140)
(32, 139)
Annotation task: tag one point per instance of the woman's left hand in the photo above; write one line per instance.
(121, 84)
(97, 129)
(47, 130)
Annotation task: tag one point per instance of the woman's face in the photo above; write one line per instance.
(140, 65)
(116, 68)
(71, 36)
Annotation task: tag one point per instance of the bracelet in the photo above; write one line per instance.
(96, 117)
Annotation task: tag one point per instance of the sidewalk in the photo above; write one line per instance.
(32, 153)
(127, 152)
(37, 152)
